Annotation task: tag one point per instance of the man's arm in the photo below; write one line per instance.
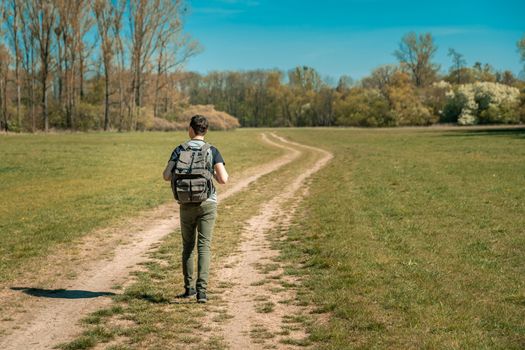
(220, 173)
(167, 172)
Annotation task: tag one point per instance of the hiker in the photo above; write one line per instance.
(191, 169)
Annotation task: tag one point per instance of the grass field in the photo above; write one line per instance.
(58, 187)
(409, 238)
(144, 316)
(415, 239)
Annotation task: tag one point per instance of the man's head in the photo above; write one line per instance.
(199, 125)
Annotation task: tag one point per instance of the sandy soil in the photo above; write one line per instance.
(79, 279)
(259, 311)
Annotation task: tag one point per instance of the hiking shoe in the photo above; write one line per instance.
(201, 297)
(188, 292)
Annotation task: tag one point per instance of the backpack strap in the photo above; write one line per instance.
(205, 147)
(185, 146)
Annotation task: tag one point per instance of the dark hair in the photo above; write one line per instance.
(199, 124)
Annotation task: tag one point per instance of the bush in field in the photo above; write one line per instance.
(145, 118)
(12, 123)
(217, 120)
(435, 98)
(160, 124)
(56, 115)
(453, 107)
(363, 107)
(521, 100)
(405, 103)
(484, 102)
(89, 116)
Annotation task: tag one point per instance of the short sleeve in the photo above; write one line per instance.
(216, 155)
(175, 155)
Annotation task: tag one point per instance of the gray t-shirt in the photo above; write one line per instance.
(214, 157)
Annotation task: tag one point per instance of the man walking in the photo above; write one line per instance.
(191, 167)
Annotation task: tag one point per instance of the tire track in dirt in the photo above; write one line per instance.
(54, 319)
(257, 312)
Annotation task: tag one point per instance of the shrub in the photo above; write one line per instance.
(217, 120)
(405, 103)
(435, 98)
(484, 102)
(453, 107)
(12, 121)
(160, 124)
(521, 109)
(363, 107)
(505, 113)
(56, 115)
(145, 118)
(89, 116)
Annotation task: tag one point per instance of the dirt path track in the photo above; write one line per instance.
(260, 316)
(53, 318)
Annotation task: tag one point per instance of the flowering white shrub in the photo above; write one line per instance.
(491, 102)
(442, 84)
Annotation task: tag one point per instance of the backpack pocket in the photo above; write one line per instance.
(191, 190)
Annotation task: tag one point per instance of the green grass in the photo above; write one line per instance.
(56, 188)
(158, 321)
(259, 334)
(414, 239)
(264, 308)
(408, 238)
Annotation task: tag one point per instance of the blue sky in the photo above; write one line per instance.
(349, 36)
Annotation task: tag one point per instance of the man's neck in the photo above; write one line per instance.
(198, 138)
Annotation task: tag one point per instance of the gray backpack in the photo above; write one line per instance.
(191, 180)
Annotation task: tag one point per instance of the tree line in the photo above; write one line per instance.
(60, 60)
(117, 64)
(411, 92)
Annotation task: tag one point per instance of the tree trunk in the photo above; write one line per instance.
(32, 89)
(81, 76)
(44, 103)
(18, 98)
(106, 97)
(157, 81)
(3, 102)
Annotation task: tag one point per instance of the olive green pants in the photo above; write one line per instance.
(196, 223)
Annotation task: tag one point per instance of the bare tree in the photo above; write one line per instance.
(143, 21)
(50, 46)
(43, 16)
(416, 53)
(12, 15)
(147, 21)
(85, 49)
(105, 15)
(506, 77)
(4, 77)
(344, 83)
(521, 50)
(28, 61)
(173, 49)
(121, 58)
(73, 22)
(306, 78)
(380, 78)
(458, 63)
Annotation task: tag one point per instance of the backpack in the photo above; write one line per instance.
(191, 181)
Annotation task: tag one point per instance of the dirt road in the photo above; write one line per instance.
(46, 317)
(262, 313)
